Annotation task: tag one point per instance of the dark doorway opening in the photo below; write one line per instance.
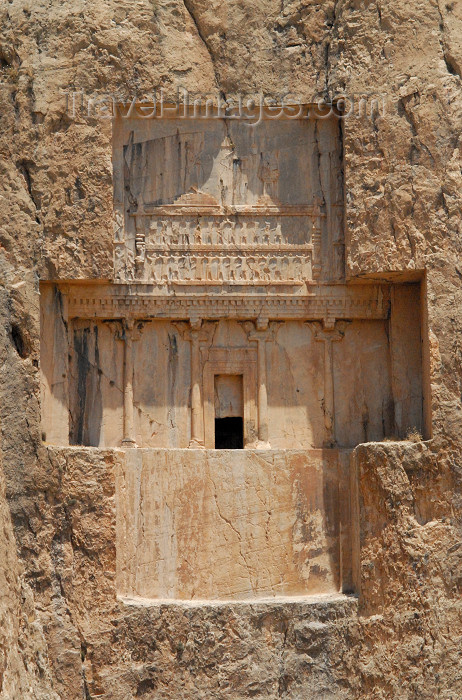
(229, 433)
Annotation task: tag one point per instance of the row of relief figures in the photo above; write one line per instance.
(219, 231)
(164, 269)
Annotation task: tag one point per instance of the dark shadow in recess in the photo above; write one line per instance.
(229, 433)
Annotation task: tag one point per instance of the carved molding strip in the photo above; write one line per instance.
(324, 302)
(280, 250)
(152, 209)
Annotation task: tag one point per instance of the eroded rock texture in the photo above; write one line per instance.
(63, 632)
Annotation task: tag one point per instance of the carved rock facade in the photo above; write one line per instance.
(293, 302)
(228, 264)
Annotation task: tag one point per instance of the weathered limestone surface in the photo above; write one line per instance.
(410, 573)
(24, 662)
(403, 192)
(233, 524)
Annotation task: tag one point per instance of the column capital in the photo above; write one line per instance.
(263, 332)
(261, 323)
(332, 331)
(197, 330)
(129, 329)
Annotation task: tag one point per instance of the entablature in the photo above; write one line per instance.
(324, 302)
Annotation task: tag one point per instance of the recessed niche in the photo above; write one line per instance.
(370, 370)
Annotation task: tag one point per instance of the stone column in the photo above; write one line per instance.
(129, 334)
(261, 333)
(197, 415)
(196, 333)
(262, 393)
(328, 333)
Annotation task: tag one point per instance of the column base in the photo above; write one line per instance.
(262, 445)
(257, 445)
(196, 445)
(128, 442)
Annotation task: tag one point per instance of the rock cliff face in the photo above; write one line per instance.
(63, 632)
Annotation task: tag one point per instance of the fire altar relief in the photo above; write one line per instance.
(232, 359)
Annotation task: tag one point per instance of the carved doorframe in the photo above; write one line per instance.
(242, 361)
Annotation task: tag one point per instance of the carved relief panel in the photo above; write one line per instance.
(218, 202)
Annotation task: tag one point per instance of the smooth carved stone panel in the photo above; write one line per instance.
(96, 380)
(162, 385)
(216, 201)
(229, 396)
(230, 162)
(364, 408)
(232, 524)
(54, 366)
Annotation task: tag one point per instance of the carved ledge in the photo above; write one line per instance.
(327, 303)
